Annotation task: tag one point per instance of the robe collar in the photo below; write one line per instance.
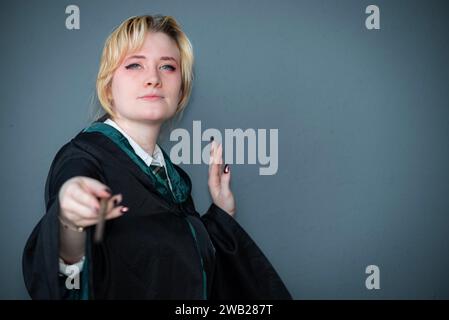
(181, 188)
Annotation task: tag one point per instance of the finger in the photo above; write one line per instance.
(83, 197)
(220, 154)
(79, 210)
(95, 187)
(113, 208)
(77, 220)
(213, 161)
(116, 212)
(114, 201)
(226, 178)
(214, 173)
(211, 155)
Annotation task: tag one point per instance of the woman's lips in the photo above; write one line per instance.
(151, 98)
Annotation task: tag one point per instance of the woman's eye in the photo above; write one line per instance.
(171, 68)
(133, 66)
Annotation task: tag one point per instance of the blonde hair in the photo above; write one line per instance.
(128, 37)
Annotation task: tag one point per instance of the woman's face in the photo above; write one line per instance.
(146, 85)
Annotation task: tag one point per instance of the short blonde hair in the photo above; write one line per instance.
(128, 37)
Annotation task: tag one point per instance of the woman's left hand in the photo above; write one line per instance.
(219, 180)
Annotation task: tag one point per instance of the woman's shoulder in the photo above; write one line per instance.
(73, 148)
(70, 161)
(81, 148)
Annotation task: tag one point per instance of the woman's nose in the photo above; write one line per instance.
(152, 78)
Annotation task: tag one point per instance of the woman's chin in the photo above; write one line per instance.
(154, 117)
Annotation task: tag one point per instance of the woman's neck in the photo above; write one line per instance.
(143, 133)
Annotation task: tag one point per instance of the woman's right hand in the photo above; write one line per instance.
(79, 199)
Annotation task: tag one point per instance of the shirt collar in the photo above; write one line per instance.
(157, 159)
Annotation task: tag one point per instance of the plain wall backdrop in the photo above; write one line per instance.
(363, 120)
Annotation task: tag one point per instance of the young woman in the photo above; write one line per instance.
(154, 245)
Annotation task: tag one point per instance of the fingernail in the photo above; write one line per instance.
(226, 168)
(124, 209)
(116, 202)
(108, 190)
(212, 138)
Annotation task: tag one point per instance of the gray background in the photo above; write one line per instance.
(362, 116)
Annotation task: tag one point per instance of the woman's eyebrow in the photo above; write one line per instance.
(168, 58)
(143, 57)
(136, 57)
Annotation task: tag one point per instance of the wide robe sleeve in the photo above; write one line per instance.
(241, 270)
(40, 260)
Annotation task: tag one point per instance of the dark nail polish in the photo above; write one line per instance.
(108, 190)
(226, 168)
(115, 202)
(211, 139)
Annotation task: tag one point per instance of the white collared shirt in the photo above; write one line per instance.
(158, 157)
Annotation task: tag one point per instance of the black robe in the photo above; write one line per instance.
(149, 252)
